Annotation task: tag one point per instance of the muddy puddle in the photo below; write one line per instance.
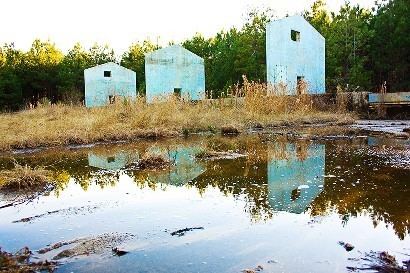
(281, 206)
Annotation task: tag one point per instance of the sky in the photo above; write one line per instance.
(119, 23)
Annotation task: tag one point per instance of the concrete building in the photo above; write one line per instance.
(106, 82)
(174, 70)
(295, 54)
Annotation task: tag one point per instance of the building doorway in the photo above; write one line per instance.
(177, 92)
(300, 85)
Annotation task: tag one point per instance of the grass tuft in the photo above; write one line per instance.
(230, 130)
(24, 178)
(153, 161)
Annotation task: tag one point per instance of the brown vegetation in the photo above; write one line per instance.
(98, 244)
(381, 262)
(24, 178)
(153, 161)
(229, 130)
(56, 125)
(20, 263)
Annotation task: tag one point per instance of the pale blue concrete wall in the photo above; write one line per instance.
(392, 98)
(287, 59)
(98, 88)
(174, 67)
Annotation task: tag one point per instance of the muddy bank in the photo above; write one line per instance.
(23, 184)
(20, 262)
(13, 198)
(287, 126)
(104, 243)
(309, 129)
(380, 262)
(393, 128)
(68, 211)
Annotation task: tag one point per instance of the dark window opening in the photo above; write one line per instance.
(295, 35)
(111, 99)
(300, 85)
(110, 159)
(107, 74)
(295, 194)
(177, 92)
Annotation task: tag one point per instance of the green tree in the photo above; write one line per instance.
(101, 54)
(391, 45)
(203, 48)
(39, 71)
(319, 17)
(134, 59)
(71, 74)
(348, 49)
(10, 84)
(234, 53)
(251, 48)
(199, 45)
(2, 58)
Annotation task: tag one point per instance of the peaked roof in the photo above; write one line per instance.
(108, 64)
(172, 48)
(297, 18)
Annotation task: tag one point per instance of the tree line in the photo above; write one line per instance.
(365, 49)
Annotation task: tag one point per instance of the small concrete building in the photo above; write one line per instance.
(174, 70)
(295, 54)
(106, 82)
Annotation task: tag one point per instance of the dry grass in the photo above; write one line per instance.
(24, 178)
(153, 161)
(230, 130)
(62, 124)
(20, 263)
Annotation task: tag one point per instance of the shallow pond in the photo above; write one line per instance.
(284, 207)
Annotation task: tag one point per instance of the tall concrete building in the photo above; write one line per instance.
(295, 55)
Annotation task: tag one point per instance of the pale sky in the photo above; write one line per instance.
(119, 23)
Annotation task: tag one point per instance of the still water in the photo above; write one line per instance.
(283, 207)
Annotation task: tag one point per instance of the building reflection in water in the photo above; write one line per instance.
(288, 177)
(111, 161)
(184, 167)
(296, 176)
